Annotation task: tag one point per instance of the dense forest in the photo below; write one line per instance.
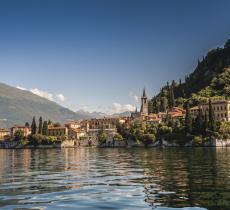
(211, 78)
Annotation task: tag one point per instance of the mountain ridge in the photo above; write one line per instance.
(19, 106)
(210, 78)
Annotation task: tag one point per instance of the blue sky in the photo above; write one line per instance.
(98, 55)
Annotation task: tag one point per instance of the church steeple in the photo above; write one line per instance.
(144, 104)
(144, 93)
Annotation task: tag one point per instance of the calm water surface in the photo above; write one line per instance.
(91, 178)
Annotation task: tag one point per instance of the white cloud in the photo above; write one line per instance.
(43, 94)
(119, 108)
(136, 98)
(3, 119)
(61, 97)
(21, 88)
(84, 108)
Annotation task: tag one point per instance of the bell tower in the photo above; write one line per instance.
(144, 104)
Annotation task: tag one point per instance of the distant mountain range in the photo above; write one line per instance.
(19, 106)
(88, 115)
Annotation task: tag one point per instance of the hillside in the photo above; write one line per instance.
(18, 106)
(210, 78)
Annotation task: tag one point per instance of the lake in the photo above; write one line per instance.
(95, 178)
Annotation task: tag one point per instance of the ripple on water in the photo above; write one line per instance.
(115, 179)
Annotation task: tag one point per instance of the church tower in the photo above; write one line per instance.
(144, 104)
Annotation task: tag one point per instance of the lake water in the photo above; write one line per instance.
(93, 178)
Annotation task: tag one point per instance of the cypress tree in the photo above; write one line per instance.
(45, 128)
(27, 125)
(171, 98)
(167, 86)
(40, 126)
(198, 126)
(158, 104)
(188, 119)
(33, 127)
(205, 124)
(212, 122)
(164, 104)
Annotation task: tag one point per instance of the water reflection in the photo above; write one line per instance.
(91, 178)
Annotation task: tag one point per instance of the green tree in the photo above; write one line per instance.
(164, 104)
(171, 98)
(118, 137)
(45, 128)
(18, 135)
(148, 139)
(212, 122)
(57, 124)
(102, 137)
(199, 121)
(188, 119)
(27, 125)
(40, 126)
(205, 123)
(33, 127)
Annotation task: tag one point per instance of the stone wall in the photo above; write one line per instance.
(221, 143)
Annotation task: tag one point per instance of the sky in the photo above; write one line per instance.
(98, 55)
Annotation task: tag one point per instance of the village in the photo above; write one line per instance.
(86, 132)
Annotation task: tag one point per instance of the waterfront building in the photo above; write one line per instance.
(26, 131)
(221, 109)
(4, 134)
(59, 131)
(94, 126)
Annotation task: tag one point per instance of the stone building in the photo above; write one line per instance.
(221, 109)
(4, 133)
(26, 131)
(144, 111)
(59, 131)
(144, 104)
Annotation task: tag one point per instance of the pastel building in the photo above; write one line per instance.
(59, 131)
(26, 130)
(4, 133)
(221, 109)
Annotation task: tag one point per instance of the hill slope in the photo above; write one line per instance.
(18, 106)
(210, 78)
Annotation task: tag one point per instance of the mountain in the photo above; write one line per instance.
(211, 78)
(123, 114)
(19, 106)
(89, 115)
